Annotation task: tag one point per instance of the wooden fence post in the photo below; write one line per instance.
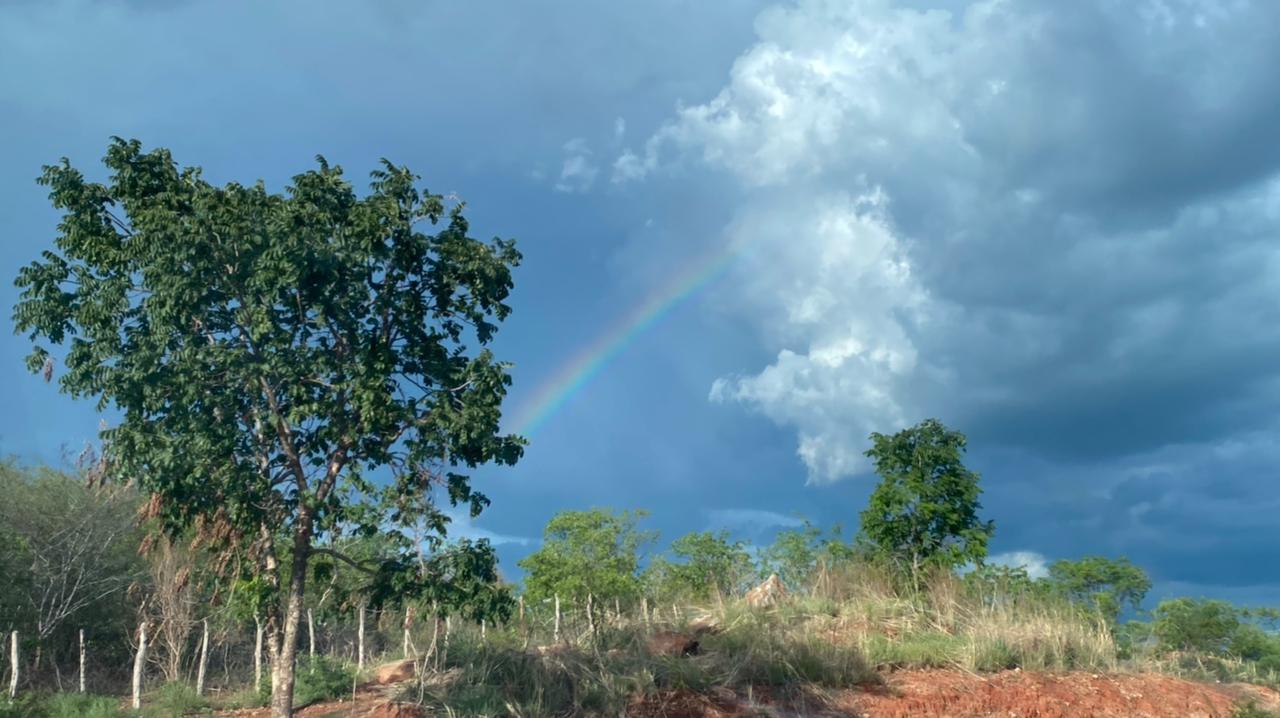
(139, 664)
(524, 632)
(448, 629)
(556, 633)
(204, 657)
(311, 639)
(13, 665)
(434, 651)
(408, 624)
(360, 639)
(82, 660)
(257, 654)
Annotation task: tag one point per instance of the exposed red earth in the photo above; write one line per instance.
(913, 694)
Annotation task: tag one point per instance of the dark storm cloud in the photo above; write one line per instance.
(1055, 225)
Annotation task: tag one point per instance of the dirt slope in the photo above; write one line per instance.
(919, 694)
(1014, 694)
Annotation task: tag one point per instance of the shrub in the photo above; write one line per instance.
(61, 705)
(1201, 625)
(174, 699)
(321, 678)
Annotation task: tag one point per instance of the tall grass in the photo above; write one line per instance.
(853, 623)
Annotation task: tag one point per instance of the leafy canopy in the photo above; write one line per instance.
(592, 552)
(709, 564)
(1105, 584)
(265, 353)
(924, 512)
(796, 553)
(1202, 625)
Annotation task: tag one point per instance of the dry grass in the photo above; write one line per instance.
(835, 637)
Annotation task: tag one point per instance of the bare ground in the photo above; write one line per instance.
(911, 694)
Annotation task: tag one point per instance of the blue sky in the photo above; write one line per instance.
(1052, 225)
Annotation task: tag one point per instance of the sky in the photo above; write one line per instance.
(768, 229)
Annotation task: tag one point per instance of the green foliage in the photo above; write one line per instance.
(709, 564)
(321, 678)
(1198, 625)
(55, 525)
(1105, 584)
(62, 705)
(924, 512)
(995, 583)
(266, 352)
(592, 552)
(1251, 710)
(796, 553)
(174, 699)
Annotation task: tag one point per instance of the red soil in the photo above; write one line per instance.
(1015, 694)
(920, 694)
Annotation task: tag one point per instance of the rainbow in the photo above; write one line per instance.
(574, 374)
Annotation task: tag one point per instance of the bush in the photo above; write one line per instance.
(61, 705)
(174, 699)
(1200, 625)
(320, 679)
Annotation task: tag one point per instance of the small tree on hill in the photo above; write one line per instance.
(924, 513)
(583, 553)
(267, 352)
(1105, 584)
(796, 554)
(1200, 625)
(710, 564)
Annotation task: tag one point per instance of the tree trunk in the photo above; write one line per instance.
(82, 660)
(204, 657)
(13, 665)
(257, 654)
(556, 633)
(360, 641)
(139, 664)
(284, 639)
(644, 609)
(311, 637)
(591, 619)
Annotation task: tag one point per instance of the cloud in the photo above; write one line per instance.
(461, 525)
(828, 276)
(1036, 565)
(1049, 225)
(750, 519)
(578, 173)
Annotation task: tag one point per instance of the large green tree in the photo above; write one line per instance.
(595, 552)
(266, 353)
(924, 513)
